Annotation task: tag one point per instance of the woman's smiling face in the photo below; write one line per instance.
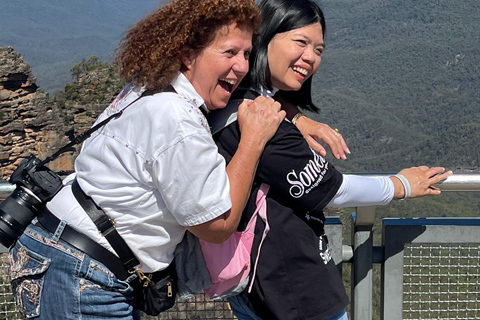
(294, 56)
(218, 69)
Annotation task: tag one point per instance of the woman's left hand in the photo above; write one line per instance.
(313, 131)
(422, 181)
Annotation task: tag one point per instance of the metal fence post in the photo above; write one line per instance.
(362, 273)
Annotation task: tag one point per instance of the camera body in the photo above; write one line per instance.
(36, 184)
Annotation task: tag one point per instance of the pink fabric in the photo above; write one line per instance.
(229, 262)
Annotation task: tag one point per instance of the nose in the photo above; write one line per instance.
(241, 65)
(309, 55)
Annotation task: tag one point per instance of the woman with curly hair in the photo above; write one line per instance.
(155, 170)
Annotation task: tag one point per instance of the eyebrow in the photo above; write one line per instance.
(322, 44)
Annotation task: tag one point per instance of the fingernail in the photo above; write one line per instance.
(348, 151)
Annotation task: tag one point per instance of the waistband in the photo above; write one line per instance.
(49, 222)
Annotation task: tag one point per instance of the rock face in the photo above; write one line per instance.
(33, 123)
(28, 124)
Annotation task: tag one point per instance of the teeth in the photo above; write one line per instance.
(301, 70)
(232, 82)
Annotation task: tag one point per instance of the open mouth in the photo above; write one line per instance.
(300, 71)
(227, 85)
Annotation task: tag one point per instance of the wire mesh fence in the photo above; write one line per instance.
(197, 308)
(441, 281)
(8, 309)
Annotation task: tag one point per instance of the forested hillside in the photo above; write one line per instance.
(400, 79)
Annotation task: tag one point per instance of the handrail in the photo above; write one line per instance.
(459, 181)
(5, 189)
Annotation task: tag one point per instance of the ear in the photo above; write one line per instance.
(188, 59)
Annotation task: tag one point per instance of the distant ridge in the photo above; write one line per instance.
(399, 78)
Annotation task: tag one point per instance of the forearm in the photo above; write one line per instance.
(241, 172)
(258, 120)
(358, 191)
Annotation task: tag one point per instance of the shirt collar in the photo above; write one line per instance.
(183, 87)
(266, 92)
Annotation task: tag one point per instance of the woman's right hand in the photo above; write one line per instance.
(313, 131)
(421, 179)
(259, 120)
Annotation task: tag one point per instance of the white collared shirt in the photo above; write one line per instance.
(154, 171)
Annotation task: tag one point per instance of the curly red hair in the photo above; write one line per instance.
(150, 52)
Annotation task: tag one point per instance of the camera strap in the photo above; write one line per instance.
(107, 227)
(85, 135)
(104, 224)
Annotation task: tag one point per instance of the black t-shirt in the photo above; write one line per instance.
(296, 278)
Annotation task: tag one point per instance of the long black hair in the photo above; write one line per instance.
(281, 16)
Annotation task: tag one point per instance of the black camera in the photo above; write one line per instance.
(36, 184)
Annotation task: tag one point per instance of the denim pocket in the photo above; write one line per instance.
(26, 271)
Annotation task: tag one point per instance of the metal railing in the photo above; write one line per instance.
(363, 254)
(397, 255)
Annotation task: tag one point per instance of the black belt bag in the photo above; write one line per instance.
(153, 292)
(156, 292)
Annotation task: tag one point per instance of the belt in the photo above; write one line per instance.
(49, 222)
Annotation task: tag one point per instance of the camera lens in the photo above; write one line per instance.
(16, 213)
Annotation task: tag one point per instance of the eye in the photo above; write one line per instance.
(230, 53)
(301, 42)
(319, 51)
(246, 54)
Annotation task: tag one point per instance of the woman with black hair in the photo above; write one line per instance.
(296, 278)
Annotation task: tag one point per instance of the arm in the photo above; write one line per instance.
(299, 178)
(313, 131)
(258, 121)
(358, 191)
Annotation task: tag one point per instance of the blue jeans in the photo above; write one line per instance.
(53, 280)
(342, 315)
(243, 312)
(240, 308)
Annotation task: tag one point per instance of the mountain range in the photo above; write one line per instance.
(399, 79)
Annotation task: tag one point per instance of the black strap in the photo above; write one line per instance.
(85, 135)
(106, 227)
(98, 216)
(50, 222)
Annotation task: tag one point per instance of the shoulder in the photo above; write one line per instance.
(172, 109)
(288, 136)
